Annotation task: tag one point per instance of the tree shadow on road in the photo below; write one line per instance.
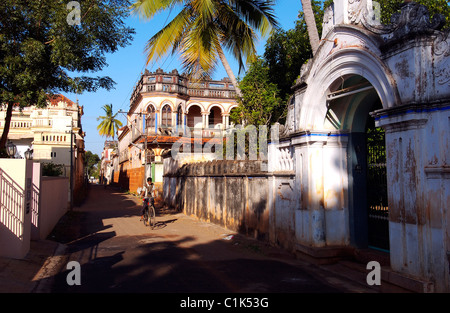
(161, 263)
(156, 265)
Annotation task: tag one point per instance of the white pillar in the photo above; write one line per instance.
(223, 121)
(205, 119)
(227, 121)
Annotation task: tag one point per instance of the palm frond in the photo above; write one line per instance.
(109, 124)
(258, 14)
(160, 44)
(202, 27)
(198, 51)
(147, 9)
(238, 37)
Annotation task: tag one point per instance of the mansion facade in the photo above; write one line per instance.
(54, 135)
(165, 107)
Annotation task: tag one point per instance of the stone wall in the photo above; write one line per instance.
(233, 194)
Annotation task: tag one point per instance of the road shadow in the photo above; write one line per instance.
(159, 262)
(164, 266)
(162, 224)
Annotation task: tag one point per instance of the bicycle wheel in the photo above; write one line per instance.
(151, 216)
(146, 219)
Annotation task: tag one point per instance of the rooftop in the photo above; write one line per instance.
(179, 84)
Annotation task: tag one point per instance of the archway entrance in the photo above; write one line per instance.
(349, 103)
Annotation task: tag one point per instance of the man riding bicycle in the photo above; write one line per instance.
(148, 192)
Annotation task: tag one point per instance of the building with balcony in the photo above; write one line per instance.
(165, 107)
(54, 134)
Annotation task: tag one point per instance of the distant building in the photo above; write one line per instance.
(107, 167)
(163, 108)
(47, 132)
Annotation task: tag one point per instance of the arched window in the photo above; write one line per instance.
(151, 115)
(180, 116)
(194, 117)
(166, 116)
(215, 117)
(150, 156)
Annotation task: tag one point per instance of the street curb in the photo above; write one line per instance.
(52, 266)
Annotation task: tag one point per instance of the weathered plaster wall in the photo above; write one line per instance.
(236, 195)
(407, 63)
(308, 199)
(229, 193)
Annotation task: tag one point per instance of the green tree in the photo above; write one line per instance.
(96, 170)
(52, 169)
(109, 124)
(260, 103)
(91, 160)
(287, 50)
(203, 28)
(42, 50)
(389, 7)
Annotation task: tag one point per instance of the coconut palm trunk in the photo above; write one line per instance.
(311, 25)
(204, 28)
(229, 71)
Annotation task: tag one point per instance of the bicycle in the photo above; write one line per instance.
(149, 214)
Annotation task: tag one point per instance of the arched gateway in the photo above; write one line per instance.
(368, 134)
(363, 159)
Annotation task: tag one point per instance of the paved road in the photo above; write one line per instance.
(117, 253)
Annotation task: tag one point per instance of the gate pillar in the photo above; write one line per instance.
(417, 141)
(321, 177)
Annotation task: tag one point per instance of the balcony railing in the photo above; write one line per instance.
(175, 83)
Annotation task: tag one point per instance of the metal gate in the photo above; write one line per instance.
(377, 202)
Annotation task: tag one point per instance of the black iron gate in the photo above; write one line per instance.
(377, 202)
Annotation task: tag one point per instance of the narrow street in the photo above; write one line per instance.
(117, 253)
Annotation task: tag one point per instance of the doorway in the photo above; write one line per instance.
(349, 103)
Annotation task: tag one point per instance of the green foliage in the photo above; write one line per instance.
(91, 161)
(389, 7)
(39, 50)
(202, 28)
(96, 170)
(42, 54)
(52, 169)
(286, 51)
(260, 103)
(266, 87)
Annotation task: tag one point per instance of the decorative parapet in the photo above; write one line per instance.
(160, 81)
(412, 51)
(413, 19)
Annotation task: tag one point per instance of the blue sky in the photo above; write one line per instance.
(126, 65)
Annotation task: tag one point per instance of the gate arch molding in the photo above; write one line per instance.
(344, 62)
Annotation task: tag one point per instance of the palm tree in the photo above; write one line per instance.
(109, 124)
(203, 28)
(311, 25)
